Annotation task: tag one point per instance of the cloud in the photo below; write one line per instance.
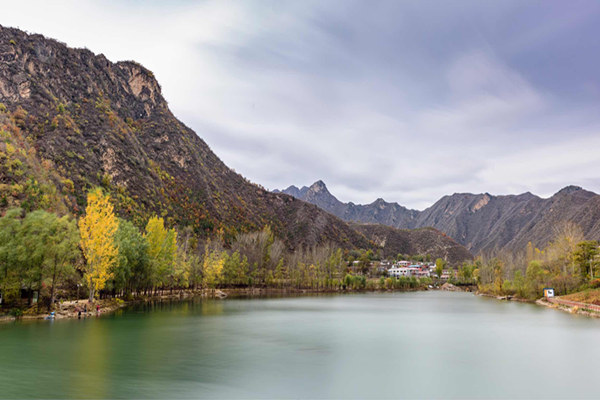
(402, 100)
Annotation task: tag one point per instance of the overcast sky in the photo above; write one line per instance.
(405, 100)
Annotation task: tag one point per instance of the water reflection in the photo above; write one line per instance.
(415, 345)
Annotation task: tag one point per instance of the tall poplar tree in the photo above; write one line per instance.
(97, 230)
(162, 250)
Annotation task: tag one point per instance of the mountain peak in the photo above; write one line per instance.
(319, 186)
(569, 189)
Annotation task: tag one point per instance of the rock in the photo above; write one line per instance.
(450, 287)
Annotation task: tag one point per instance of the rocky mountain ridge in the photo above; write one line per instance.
(481, 222)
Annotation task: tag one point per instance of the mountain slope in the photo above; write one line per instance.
(414, 241)
(71, 119)
(480, 222)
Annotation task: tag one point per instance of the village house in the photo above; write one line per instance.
(416, 270)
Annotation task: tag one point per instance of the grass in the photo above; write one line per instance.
(590, 296)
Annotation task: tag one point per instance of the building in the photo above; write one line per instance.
(415, 270)
(398, 271)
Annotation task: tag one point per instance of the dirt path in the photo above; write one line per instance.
(570, 303)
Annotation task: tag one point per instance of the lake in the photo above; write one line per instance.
(374, 345)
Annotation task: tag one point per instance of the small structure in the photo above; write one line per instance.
(398, 271)
(548, 292)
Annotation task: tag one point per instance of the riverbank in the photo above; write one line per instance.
(572, 307)
(71, 308)
(562, 303)
(505, 297)
(83, 308)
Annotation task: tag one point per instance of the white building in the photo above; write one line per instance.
(398, 271)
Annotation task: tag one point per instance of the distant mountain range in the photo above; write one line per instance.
(480, 222)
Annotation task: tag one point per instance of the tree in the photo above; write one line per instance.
(162, 250)
(566, 237)
(535, 276)
(10, 271)
(212, 267)
(465, 273)
(132, 270)
(365, 261)
(98, 229)
(61, 249)
(439, 267)
(585, 257)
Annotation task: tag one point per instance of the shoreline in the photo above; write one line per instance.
(69, 309)
(505, 298)
(580, 308)
(571, 309)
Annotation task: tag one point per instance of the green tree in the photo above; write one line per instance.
(11, 273)
(62, 250)
(132, 271)
(47, 247)
(440, 264)
(586, 258)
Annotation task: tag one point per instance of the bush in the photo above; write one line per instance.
(16, 312)
(595, 284)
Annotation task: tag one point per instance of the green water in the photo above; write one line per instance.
(401, 345)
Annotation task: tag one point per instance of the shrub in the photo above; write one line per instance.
(16, 312)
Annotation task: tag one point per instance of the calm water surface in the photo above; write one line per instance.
(409, 345)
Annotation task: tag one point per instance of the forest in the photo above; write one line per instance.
(569, 264)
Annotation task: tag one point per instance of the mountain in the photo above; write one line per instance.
(380, 211)
(71, 120)
(480, 222)
(430, 241)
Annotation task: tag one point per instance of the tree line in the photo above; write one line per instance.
(568, 263)
(53, 256)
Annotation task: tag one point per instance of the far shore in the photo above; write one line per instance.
(69, 309)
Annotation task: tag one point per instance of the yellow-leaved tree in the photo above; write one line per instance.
(162, 251)
(212, 267)
(97, 229)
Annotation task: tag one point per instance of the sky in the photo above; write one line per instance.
(402, 100)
